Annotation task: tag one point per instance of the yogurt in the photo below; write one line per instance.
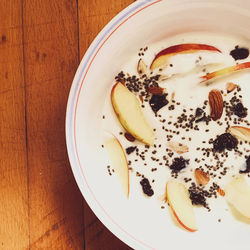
(179, 123)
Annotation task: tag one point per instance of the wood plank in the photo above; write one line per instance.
(51, 56)
(14, 227)
(93, 16)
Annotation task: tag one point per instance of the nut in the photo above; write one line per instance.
(201, 177)
(141, 98)
(230, 87)
(239, 132)
(220, 191)
(156, 90)
(216, 104)
(177, 147)
(172, 96)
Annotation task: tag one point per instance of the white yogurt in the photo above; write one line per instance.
(184, 82)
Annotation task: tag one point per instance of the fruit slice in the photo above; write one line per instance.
(163, 56)
(238, 194)
(225, 71)
(180, 203)
(118, 161)
(129, 113)
(239, 132)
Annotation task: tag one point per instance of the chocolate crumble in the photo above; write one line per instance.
(129, 137)
(178, 164)
(146, 187)
(247, 170)
(239, 110)
(197, 198)
(239, 53)
(225, 141)
(157, 102)
(130, 150)
(198, 112)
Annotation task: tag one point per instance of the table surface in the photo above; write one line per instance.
(41, 44)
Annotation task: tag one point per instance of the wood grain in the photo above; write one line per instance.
(41, 42)
(51, 59)
(93, 16)
(14, 227)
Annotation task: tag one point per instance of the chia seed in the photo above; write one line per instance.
(197, 198)
(178, 164)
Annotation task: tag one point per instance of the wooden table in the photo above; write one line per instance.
(41, 44)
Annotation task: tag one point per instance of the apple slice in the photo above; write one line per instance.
(237, 193)
(129, 113)
(239, 132)
(225, 71)
(181, 205)
(163, 56)
(118, 161)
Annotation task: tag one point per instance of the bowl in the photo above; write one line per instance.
(136, 221)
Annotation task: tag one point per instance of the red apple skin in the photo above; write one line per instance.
(225, 71)
(118, 116)
(184, 48)
(187, 228)
(112, 94)
(177, 218)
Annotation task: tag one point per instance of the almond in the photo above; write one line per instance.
(177, 147)
(230, 87)
(141, 98)
(220, 191)
(216, 104)
(201, 177)
(239, 132)
(141, 67)
(156, 90)
(172, 96)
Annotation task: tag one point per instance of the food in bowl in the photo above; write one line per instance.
(178, 121)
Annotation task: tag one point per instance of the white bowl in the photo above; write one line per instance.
(137, 222)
